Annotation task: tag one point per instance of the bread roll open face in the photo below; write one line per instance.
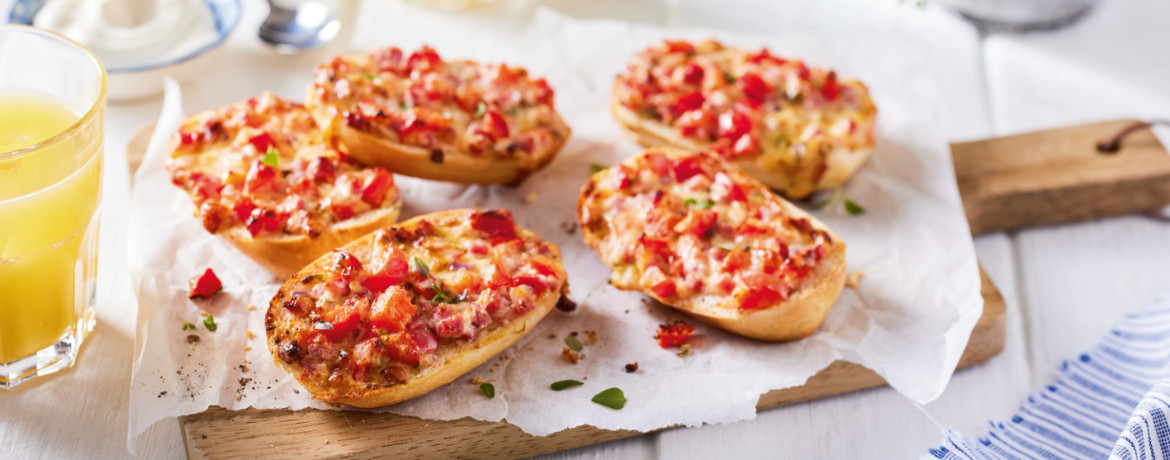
(796, 128)
(700, 236)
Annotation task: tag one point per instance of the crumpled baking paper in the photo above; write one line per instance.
(909, 320)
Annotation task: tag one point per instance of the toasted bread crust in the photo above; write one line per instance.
(450, 360)
(794, 318)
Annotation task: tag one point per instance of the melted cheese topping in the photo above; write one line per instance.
(443, 107)
(264, 164)
(679, 226)
(783, 114)
(376, 314)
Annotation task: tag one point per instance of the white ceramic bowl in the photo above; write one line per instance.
(136, 82)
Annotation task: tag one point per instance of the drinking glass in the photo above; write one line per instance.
(52, 107)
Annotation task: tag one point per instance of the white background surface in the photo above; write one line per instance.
(1064, 285)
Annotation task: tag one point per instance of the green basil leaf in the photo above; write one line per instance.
(853, 208)
(573, 343)
(596, 168)
(209, 323)
(612, 398)
(480, 109)
(488, 390)
(565, 384)
(188, 326)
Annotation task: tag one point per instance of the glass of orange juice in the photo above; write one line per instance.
(52, 108)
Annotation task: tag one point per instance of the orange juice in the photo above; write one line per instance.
(49, 199)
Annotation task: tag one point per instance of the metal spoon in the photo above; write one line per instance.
(306, 25)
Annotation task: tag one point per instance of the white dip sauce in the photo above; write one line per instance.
(129, 33)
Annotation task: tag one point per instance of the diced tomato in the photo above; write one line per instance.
(831, 89)
(653, 245)
(344, 264)
(392, 310)
(660, 163)
(426, 58)
(690, 74)
(342, 210)
(689, 101)
(728, 189)
(542, 93)
(259, 176)
(764, 55)
(494, 126)
(735, 260)
(544, 269)
(388, 58)
(321, 169)
(699, 222)
(674, 335)
(534, 282)
(754, 87)
(344, 320)
(204, 286)
(733, 124)
(802, 71)
(746, 144)
(687, 168)
(678, 46)
(262, 142)
(763, 291)
(450, 327)
(664, 290)
(375, 188)
(188, 137)
(497, 223)
(388, 268)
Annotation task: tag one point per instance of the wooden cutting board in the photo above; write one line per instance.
(1026, 180)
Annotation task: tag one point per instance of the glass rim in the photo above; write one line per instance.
(90, 114)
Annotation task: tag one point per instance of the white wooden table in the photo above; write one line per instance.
(1064, 285)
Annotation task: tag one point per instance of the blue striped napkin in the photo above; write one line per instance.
(1112, 402)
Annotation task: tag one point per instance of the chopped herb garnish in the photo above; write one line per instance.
(853, 208)
(573, 343)
(209, 323)
(514, 111)
(488, 390)
(421, 267)
(728, 77)
(370, 77)
(596, 168)
(188, 326)
(480, 109)
(323, 326)
(612, 398)
(270, 158)
(705, 204)
(440, 296)
(565, 384)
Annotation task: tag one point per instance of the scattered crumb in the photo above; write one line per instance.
(202, 313)
(249, 334)
(530, 197)
(552, 335)
(531, 348)
(632, 367)
(684, 350)
(505, 358)
(590, 337)
(296, 391)
(492, 370)
(247, 348)
(574, 333)
(627, 311)
(569, 227)
(853, 279)
(477, 380)
(179, 372)
(204, 436)
(570, 355)
(251, 307)
(162, 393)
(243, 368)
(326, 441)
(192, 338)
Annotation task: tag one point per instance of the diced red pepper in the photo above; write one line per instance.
(426, 58)
(690, 74)
(262, 142)
(674, 335)
(664, 290)
(259, 176)
(494, 126)
(204, 286)
(700, 222)
(388, 268)
(678, 46)
(763, 291)
(342, 211)
(261, 220)
(345, 319)
(733, 124)
(496, 223)
(243, 209)
(746, 144)
(388, 58)
(831, 89)
(764, 55)
(344, 264)
(687, 168)
(321, 169)
(689, 101)
(375, 188)
(754, 87)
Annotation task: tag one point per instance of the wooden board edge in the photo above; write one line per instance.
(219, 434)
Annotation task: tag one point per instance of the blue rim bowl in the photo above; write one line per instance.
(225, 12)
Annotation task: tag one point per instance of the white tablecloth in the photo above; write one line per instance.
(1056, 280)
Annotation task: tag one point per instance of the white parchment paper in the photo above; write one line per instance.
(909, 320)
